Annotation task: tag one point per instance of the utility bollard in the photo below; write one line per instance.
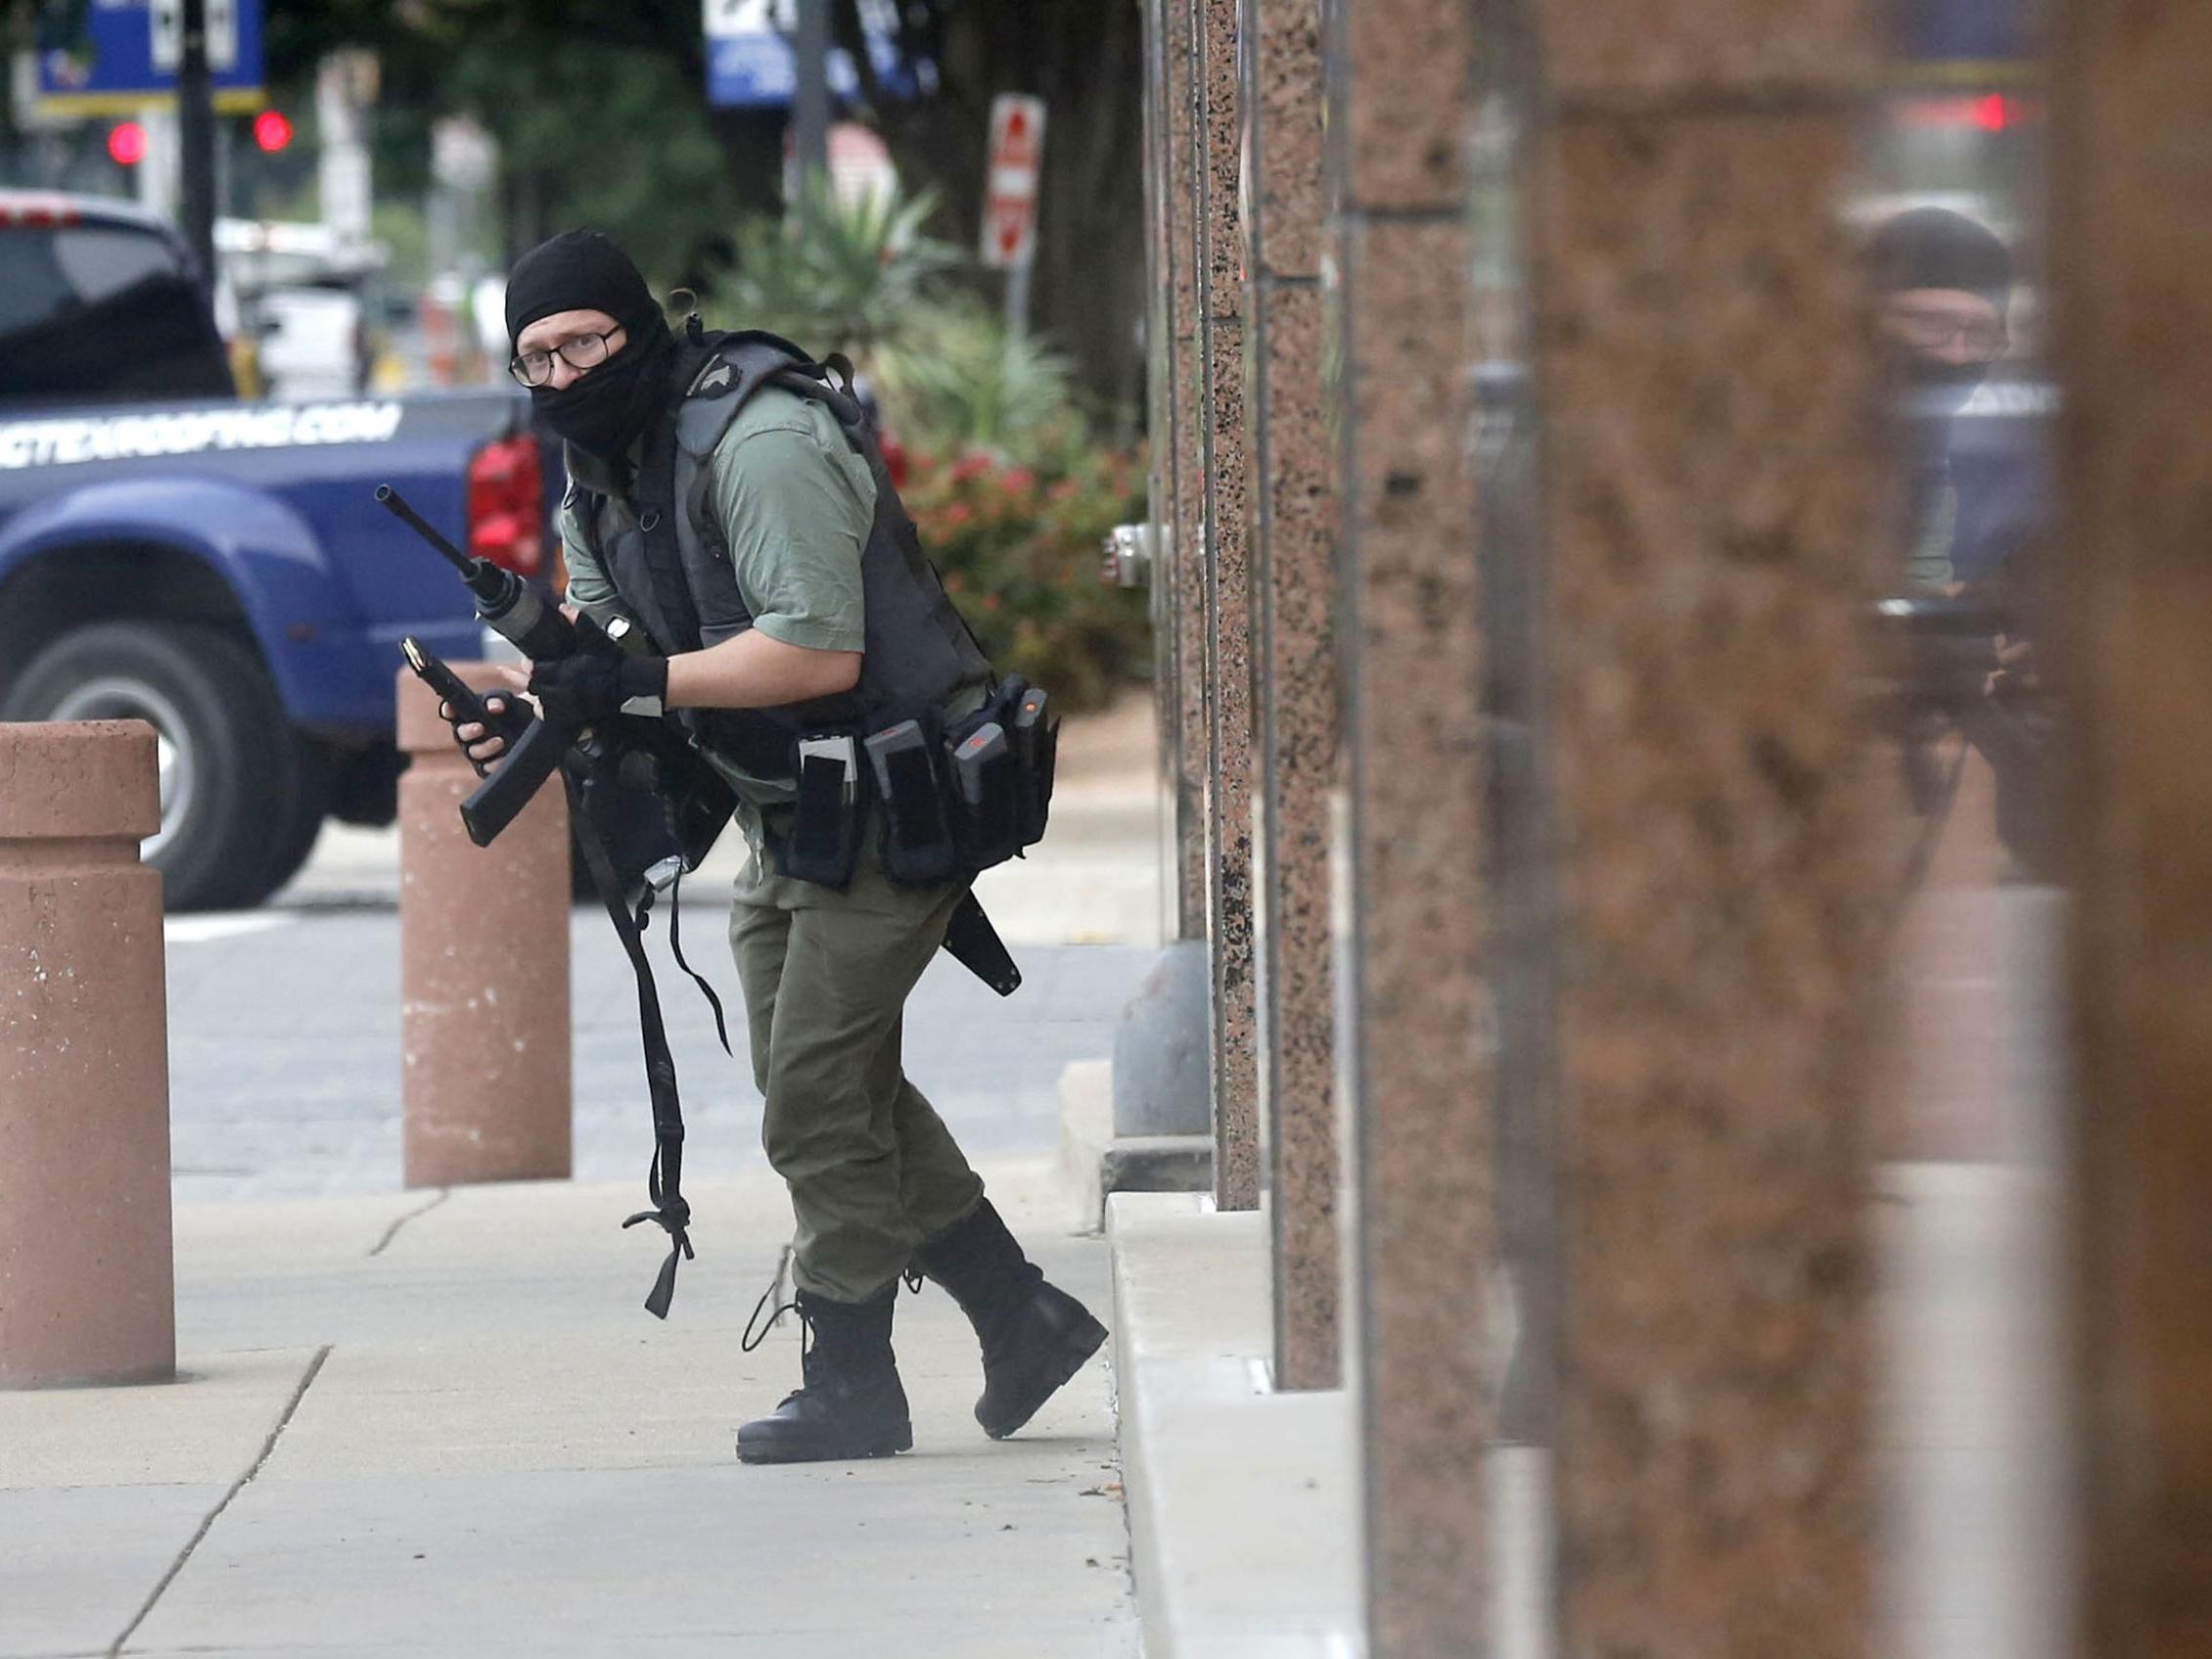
(87, 1267)
(483, 968)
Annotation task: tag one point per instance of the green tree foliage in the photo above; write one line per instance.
(960, 374)
(861, 278)
(598, 111)
(609, 138)
(1019, 547)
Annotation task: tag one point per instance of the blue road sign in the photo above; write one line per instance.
(111, 69)
(750, 63)
(1965, 31)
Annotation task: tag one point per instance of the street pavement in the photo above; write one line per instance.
(441, 1422)
(284, 1051)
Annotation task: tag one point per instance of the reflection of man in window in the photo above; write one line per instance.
(1943, 286)
(1973, 510)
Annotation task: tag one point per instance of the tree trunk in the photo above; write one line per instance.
(1086, 61)
(752, 140)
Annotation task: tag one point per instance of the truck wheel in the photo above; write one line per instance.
(230, 767)
(304, 813)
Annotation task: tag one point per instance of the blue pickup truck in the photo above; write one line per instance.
(219, 569)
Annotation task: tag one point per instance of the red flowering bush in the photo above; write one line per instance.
(1020, 549)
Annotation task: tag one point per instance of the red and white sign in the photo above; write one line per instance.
(1009, 201)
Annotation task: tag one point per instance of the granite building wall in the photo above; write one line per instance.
(1291, 513)
(1414, 1038)
(2132, 192)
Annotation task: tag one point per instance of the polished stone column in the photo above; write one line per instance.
(1160, 459)
(1179, 389)
(2131, 235)
(1227, 609)
(1413, 1055)
(1706, 887)
(1293, 551)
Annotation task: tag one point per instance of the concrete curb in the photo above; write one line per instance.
(1096, 1162)
(1242, 1502)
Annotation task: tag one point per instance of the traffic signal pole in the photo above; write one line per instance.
(196, 134)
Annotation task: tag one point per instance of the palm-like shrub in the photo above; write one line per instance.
(836, 275)
(960, 378)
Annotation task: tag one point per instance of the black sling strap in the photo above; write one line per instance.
(675, 949)
(663, 1181)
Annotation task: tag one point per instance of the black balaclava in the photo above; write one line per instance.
(1935, 247)
(603, 411)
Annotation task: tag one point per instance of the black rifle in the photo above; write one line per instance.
(657, 751)
(1943, 655)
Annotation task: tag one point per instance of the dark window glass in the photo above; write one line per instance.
(100, 312)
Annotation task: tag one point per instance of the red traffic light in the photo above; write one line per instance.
(272, 131)
(126, 144)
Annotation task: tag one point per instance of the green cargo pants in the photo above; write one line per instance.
(872, 1168)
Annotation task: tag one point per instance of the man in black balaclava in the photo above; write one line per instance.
(1944, 289)
(563, 297)
(770, 566)
(1943, 285)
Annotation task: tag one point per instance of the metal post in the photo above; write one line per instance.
(1018, 297)
(810, 100)
(196, 131)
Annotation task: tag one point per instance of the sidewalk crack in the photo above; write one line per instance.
(393, 1231)
(268, 1445)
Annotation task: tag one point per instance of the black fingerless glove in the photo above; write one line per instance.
(587, 688)
(510, 719)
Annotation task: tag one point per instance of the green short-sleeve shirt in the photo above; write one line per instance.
(794, 504)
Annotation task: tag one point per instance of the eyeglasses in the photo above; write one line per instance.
(1932, 331)
(584, 351)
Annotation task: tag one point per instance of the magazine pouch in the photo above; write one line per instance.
(823, 842)
(908, 766)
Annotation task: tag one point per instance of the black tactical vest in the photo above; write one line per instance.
(671, 566)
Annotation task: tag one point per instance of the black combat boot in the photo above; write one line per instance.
(851, 1403)
(1034, 1336)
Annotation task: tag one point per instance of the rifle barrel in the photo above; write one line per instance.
(396, 504)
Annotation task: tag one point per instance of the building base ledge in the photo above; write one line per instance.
(1096, 1162)
(1243, 1503)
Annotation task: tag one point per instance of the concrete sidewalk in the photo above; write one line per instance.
(441, 1423)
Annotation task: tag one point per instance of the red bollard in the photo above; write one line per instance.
(88, 1269)
(483, 968)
